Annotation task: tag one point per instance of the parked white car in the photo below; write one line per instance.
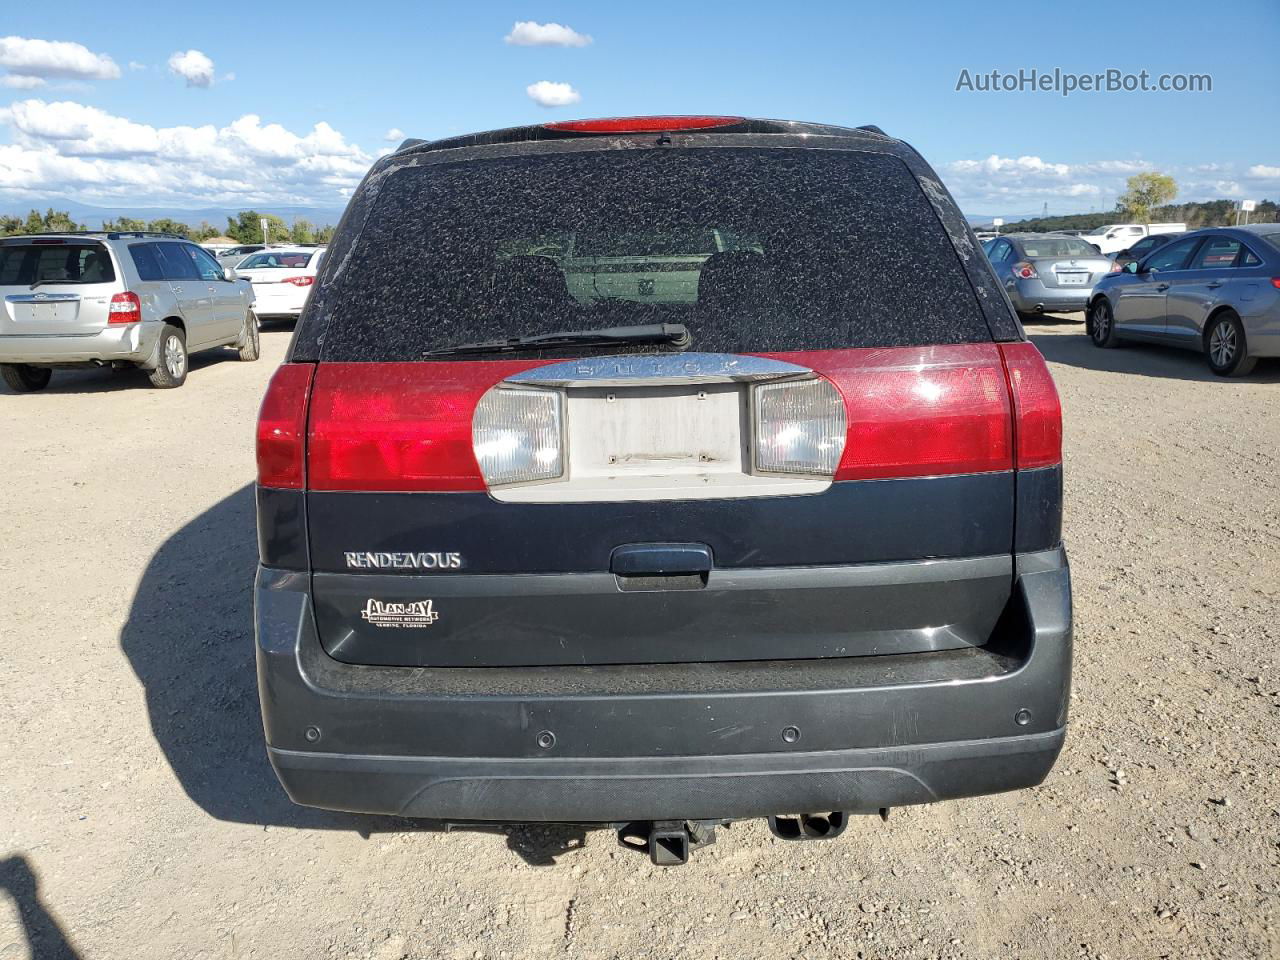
(282, 278)
(1114, 237)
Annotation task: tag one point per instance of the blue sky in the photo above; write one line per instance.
(327, 81)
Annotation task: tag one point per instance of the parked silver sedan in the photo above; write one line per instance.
(1215, 290)
(1050, 272)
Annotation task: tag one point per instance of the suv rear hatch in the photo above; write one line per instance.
(826, 468)
(55, 286)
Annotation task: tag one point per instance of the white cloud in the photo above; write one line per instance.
(193, 67)
(32, 62)
(18, 81)
(394, 135)
(546, 93)
(135, 65)
(71, 149)
(1022, 185)
(530, 33)
(995, 164)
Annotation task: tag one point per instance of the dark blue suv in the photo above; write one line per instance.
(659, 472)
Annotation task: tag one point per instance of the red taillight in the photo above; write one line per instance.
(282, 427)
(919, 411)
(642, 124)
(300, 281)
(1275, 282)
(1037, 409)
(124, 308)
(1025, 270)
(399, 426)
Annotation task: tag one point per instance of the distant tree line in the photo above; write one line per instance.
(244, 227)
(1211, 213)
(1147, 199)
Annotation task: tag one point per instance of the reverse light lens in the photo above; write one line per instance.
(800, 428)
(124, 308)
(517, 436)
(1025, 270)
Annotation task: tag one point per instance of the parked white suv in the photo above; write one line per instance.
(116, 299)
(1114, 237)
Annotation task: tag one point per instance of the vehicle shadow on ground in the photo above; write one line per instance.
(1140, 359)
(1063, 320)
(189, 639)
(46, 939)
(106, 380)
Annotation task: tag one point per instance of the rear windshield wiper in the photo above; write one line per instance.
(676, 334)
(50, 280)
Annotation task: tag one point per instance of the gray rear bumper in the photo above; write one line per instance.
(135, 343)
(649, 788)
(1028, 295)
(667, 741)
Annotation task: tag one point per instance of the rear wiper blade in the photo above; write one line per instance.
(39, 282)
(677, 334)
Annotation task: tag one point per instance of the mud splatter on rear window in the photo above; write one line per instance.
(751, 249)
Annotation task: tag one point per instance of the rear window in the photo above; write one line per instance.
(265, 261)
(1272, 238)
(1057, 247)
(55, 263)
(751, 249)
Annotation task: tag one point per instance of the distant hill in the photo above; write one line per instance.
(92, 216)
(984, 219)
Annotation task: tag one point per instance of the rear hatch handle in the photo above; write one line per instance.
(661, 566)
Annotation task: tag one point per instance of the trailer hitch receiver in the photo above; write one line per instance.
(668, 842)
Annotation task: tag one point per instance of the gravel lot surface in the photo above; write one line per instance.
(139, 818)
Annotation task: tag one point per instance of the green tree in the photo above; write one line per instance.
(205, 231)
(245, 228)
(1146, 192)
(302, 232)
(124, 223)
(52, 220)
(325, 234)
(169, 225)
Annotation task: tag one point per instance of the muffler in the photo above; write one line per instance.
(809, 826)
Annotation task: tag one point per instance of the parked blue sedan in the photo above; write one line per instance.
(1215, 290)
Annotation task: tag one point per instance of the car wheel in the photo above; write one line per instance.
(171, 371)
(250, 343)
(25, 379)
(1101, 325)
(1225, 347)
